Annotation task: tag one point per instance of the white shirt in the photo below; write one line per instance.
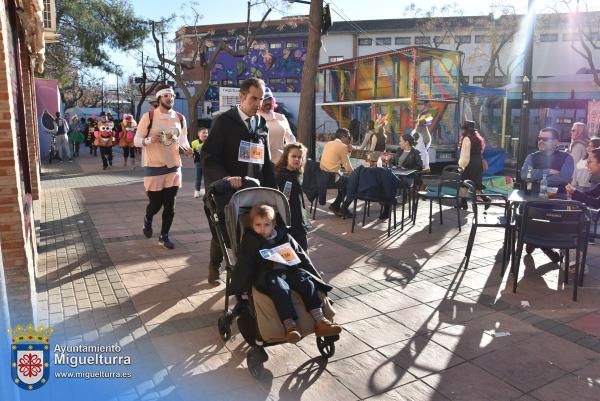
(245, 116)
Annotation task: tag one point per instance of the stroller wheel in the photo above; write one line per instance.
(255, 359)
(326, 345)
(224, 326)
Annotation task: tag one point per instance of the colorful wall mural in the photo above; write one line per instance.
(277, 61)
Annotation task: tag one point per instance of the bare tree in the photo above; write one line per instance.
(448, 22)
(585, 38)
(175, 67)
(145, 85)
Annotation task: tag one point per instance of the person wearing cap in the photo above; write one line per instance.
(280, 133)
(160, 135)
(236, 147)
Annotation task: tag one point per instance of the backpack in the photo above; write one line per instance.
(151, 116)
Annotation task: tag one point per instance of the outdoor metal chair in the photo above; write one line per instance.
(482, 219)
(445, 187)
(555, 224)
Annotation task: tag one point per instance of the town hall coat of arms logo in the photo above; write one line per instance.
(30, 356)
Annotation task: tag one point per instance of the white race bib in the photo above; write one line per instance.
(283, 254)
(250, 152)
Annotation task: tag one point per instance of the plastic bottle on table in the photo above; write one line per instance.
(379, 162)
(544, 187)
(528, 182)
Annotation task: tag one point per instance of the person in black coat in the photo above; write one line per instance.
(407, 156)
(277, 280)
(236, 147)
(288, 173)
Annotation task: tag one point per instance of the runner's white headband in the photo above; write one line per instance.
(165, 91)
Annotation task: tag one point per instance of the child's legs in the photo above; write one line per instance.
(279, 291)
(198, 175)
(301, 282)
(110, 155)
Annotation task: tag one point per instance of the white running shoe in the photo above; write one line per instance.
(196, 194)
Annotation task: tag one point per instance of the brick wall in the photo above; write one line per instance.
(18, 250)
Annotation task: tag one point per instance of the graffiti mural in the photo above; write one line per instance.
(278, 62)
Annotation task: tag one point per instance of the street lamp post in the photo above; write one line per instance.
(526, 95)
(118, 100)
(102, 95)
(162, 63)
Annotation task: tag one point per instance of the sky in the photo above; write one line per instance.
(224, 11)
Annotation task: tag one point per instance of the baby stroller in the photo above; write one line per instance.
(255, 312)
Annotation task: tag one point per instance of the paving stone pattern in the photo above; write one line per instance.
(417, 325)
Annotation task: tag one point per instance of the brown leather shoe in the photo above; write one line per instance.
(293, 335)
(324, 328)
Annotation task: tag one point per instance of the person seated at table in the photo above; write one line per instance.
(408, 156)
(555, 164)
(336, 154)
(582, 179)
(591, 197)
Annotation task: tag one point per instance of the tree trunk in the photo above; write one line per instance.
(192, 123)
(306, 114)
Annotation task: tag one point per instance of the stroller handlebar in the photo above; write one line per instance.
(223, 186)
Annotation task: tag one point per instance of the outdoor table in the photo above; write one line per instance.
(518, 196)
(402, 172)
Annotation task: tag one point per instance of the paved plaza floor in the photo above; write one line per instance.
(416, 326)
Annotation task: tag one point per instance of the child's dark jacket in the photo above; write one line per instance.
(252, 269)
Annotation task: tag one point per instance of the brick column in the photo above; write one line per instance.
(17, 250)
(31, 122)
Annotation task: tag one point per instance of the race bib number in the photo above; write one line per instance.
(250, 152)
(283, 254)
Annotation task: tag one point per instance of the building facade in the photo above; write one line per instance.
(276, 56)
(477, 37)
(22, 42)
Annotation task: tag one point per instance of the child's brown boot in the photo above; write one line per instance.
(324, 328)
(293, 335)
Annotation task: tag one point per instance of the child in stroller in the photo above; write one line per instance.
(256, 315)
(271, 260)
